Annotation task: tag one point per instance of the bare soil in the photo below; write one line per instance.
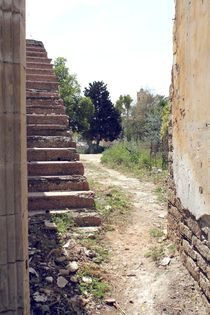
(139, 284)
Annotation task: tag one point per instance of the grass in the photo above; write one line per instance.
(63, 221)
(96, 285)
(156, 253)
(111, 202)
(97, 247)
(161, 192)
(154, 232)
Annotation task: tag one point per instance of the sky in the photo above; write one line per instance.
(125, 43)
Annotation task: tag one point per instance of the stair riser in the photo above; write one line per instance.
(36, 71)
(48, 86)
(35, 48)
(44, 101)
(55, 169)
(48, 119)
(52, 155)
(32, 53)
(33, 142)
(34, 131)
(41, 77)
(62, 202)
(41, 94)
(56, 185)
(41, 110)
(38, 65)
(87, 220)
(38, 59)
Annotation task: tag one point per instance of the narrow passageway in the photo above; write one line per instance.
(140, 285)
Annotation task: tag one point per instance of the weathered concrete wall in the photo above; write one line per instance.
(14, 286)
(189, 205)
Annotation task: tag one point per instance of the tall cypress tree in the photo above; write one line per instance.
(106, 122)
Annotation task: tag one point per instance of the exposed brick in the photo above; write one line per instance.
(185, 231)
(194, 226)
(203, 249)
(192, 267)
(189, 249)
(175, 212)
(204, 283)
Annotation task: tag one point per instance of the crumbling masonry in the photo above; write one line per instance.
(189, 201)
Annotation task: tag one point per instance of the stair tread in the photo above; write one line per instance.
(54, 162)
(65, 177)
(57, 193)
(52, 149)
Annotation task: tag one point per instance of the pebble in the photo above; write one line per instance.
(87, 280)
(61, 282)
(49, 279)
(73, 266)
(50, 225)
(40, 298)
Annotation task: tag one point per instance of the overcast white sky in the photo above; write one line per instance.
(125, 43)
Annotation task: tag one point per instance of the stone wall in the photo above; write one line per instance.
(189, 199)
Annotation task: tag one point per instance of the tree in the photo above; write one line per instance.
(123, 105)
(80, 109)
(105, 123)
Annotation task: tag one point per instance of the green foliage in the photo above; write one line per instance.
(165, 120)
(131, 155)
(80, 109)
(123, 105)
(105, 123)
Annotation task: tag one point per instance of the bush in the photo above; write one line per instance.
(131, 155)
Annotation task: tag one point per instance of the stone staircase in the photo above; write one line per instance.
(55, 175)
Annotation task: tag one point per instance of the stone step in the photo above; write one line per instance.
(41, 77)
(54, 183)
(42, 100)
(46, 109)
(33, 119)
(42, 85)
(86, 218)
(37, 71)
(55, 168)
(39, 60)
(33, 93)
(47, 130)
(50, 200)
(35, 48)
(52, 154)
(38, 65)
(88, 221)
(35, 53)
(50, 142)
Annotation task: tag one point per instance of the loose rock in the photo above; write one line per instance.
(61, 282)
(73, 266)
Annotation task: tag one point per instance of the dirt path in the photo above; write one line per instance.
(141, 286)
